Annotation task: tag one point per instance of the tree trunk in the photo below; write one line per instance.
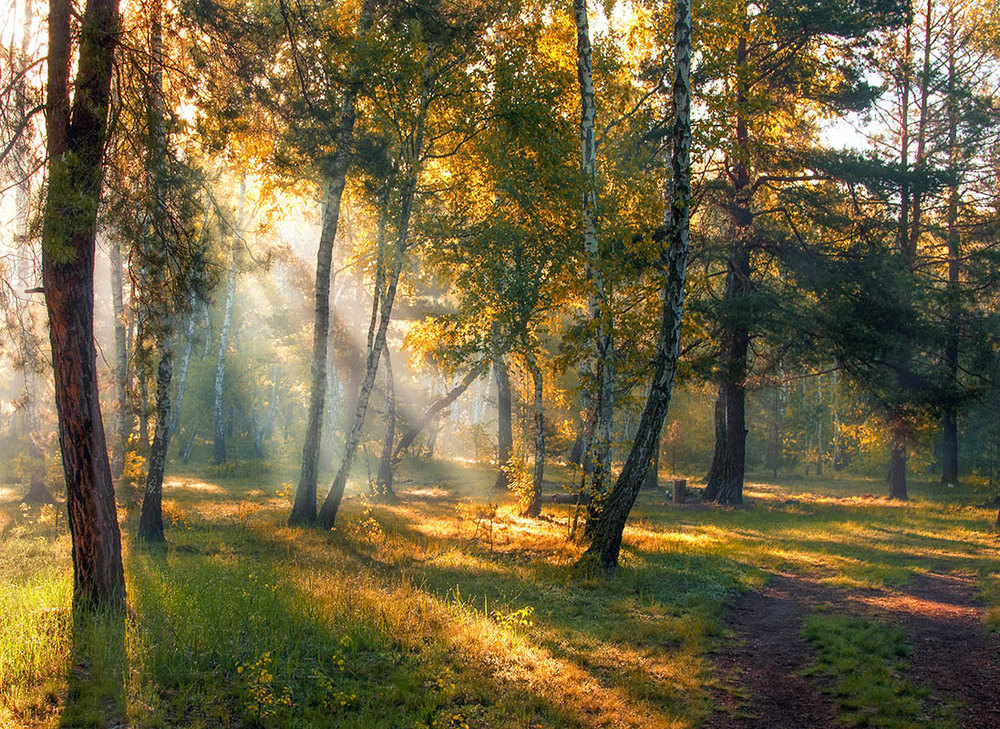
(383, 480)
(505, 429)
(532, 505)
(328, 513)
(897, 462)
(219, 452)
(607, 535)
(598, 294)
(304, 507)
(713, 481)
(75, 144)
(434, 411)
(123, 419)
(175, 415)
(151, 519)
(949, 459)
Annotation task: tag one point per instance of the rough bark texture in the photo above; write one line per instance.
(726, 486)
(151, 519)
(505, 428)
(607, 534)
(75, 141)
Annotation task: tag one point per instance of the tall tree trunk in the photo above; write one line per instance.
(607, 534)
(304, 507)
(383, 479)
(713, 481)
(151, 519)
(75, 145)
(598, 294)
(328, 512)
(897, 461)
(219, 429)
(175, 416)
(949, 459)
(505, 427)
(532, 505)
(123, 420)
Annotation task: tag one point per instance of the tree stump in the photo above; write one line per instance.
(680, 490)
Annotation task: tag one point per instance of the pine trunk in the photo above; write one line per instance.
(75, 143)
(151, 519)
(897, 461)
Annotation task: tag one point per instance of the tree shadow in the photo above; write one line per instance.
(98, 666)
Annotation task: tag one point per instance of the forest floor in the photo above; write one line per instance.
(816, 605)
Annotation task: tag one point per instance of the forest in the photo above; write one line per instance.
(453, 363)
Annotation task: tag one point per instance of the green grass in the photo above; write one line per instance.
(866, 660)
(443, 610)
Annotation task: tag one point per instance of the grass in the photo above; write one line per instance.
(443, 610)
(866, 659)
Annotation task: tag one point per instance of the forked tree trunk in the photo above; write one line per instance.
(606, 537)
(75, 144)
(433, 413)
(304, 507)
(505, 427)
(376, 336)
(713, 481)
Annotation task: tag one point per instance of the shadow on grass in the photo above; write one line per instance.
(96, 688)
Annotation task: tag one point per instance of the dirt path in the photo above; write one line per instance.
(941, 614)
(761, 688)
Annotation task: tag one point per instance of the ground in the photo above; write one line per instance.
(816, 605)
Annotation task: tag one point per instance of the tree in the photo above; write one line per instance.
(606, 536)
(75, 134)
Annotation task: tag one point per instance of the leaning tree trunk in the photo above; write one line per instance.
(75, 140)
(532, 505)
(607, 534)
(434, 411)
(304, 507)
(151, 519)
(598, 294)
(505, 429)
(383, 480)
(220, 359)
